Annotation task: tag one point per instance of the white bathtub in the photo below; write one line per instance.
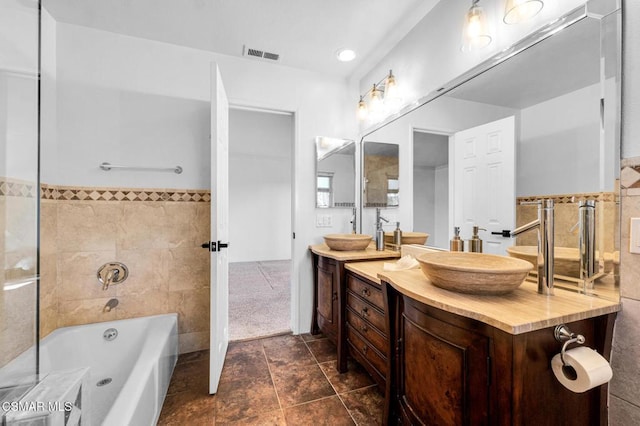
(139, 362)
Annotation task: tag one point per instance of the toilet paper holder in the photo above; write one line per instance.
(563, 334)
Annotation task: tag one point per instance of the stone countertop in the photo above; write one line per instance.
(370, 253)
(520, 311)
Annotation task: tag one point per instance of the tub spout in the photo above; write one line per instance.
(112, 303)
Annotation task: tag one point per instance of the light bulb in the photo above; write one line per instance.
(517, 11)
(375, 103)
(392, 96)
(362, 111)
(475, 34)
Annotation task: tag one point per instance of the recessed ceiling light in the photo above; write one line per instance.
(345, 55)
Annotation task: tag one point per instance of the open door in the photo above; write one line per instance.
(484, 189)
(219, 315)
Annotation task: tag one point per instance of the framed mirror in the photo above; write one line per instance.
(539, 122)
(381, 168)
(335, 173)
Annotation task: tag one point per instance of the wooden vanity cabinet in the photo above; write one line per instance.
(367, 333)
(326, 282)
(452, 370)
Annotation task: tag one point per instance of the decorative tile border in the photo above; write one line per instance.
(17, 188)
(68, 193)
(572, 198)
(630, 177)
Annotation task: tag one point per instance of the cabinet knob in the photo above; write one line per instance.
(365, 349)
(366, 292)
(364, 328)
(365, 312)
(334, 296)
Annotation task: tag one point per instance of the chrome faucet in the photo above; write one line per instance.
(587, 242)
(544, 226)
(379, 231)
(112, 273)
(112, 303)
(353, 221)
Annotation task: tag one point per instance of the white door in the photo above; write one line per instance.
(484, 190)
(219, 315)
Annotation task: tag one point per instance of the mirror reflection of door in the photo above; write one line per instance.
(431, 186)
(483, 187)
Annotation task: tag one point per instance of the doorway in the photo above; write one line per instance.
(260, 222)
(431, 186)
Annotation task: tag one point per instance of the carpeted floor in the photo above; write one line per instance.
(259, 299)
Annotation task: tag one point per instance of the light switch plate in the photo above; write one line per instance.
(324, 221)
(634, 236)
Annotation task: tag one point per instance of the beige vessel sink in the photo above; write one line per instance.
(347, 242)
(566, 259)
(476, 273)
(408, 237)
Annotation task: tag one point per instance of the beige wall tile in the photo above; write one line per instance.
(140, 305)
(193, 309)
(629, 263)
(77, 275)
(191, 342)
(88, 225)
(626, 353)
(182, 228)
(189, 268)
(623, 413)
(17, 322)
(77, 312)
(148, 271)
(144, 225)
(48, 227)
(48, 280)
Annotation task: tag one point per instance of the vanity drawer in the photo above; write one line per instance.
(367, 351)
(365, 290)
(366, 311)
(369, 333)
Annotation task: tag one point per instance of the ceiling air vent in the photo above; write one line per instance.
(256, 53)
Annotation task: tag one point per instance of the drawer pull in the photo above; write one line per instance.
(365, 349)
(365, 312)
(364, 328)
(334, 296)
(366, 292)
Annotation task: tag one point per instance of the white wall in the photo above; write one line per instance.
(105, 82)
(569, 127)
(260, 185)
(430, 56)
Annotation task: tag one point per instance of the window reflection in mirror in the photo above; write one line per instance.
(380, 186)
(335, 172)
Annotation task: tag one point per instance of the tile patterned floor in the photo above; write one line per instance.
(282, 380)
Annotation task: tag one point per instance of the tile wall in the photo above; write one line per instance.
(156, 233)
(18, 252)
(625, 359)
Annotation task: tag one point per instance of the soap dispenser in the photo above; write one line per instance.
(456, 244)
(475, 243)
(397, 236)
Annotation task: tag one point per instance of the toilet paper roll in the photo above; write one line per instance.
(591, 369)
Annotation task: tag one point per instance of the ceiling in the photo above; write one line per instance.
(305, 33)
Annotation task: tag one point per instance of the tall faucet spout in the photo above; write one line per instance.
(545, 227)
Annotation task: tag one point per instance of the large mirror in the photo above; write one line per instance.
(541, 124)
(335, 172)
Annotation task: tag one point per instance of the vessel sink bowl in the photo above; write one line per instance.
(408, 237)
(347, 242)
(475, 273)
(566, 259)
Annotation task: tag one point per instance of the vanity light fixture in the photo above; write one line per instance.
(517, 11)
(475, 33)
(345, 55)
(382, 97)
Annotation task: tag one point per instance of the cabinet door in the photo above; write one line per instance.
(327, 295)
(443, 372)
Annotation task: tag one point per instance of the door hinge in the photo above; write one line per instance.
(294, 235)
